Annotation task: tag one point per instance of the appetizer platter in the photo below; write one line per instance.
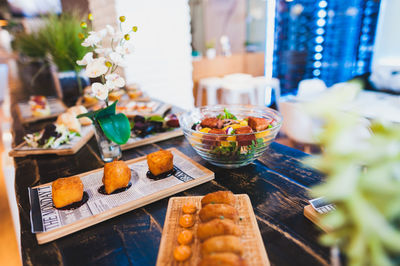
(40, 108)
(70, 204)
(64, 137)
(217, 229)
(146, 130)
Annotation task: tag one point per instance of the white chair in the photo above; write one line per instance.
(211, 86)
(263, 90)
(238, 87)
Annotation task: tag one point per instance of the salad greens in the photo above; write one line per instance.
(226, 115)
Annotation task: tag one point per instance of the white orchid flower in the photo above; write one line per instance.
(88, 58)
(92, 40)
(114, 81)
(117, 59)
(124, 49)
(103, 51)
(110, 30)
(100, 91)
(96, 68)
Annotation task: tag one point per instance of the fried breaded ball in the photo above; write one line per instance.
(189, 208)
(66, 191)
(116, 175)
(160, 162)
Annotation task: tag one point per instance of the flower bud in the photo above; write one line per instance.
(122, 18)
(134, 28)
(127, 37)
(83, 25)
(90, 16)
(81, 36)
(108, 64)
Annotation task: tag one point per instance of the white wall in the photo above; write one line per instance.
(387, 42)
(161, 62)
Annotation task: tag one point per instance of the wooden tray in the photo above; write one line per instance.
(254, 250)
(73, 147)
(314, 217)
(131, 205)
(136, 142)
(25, 114)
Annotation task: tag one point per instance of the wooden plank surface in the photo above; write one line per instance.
(254, 250)
(131, 205)
(56, 108)
(133, 143)
(315, 217)
(23, 149)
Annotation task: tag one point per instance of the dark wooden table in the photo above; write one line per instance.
(277, 184)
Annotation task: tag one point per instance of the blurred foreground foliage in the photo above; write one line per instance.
(361, 160)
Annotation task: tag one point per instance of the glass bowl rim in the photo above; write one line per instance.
(274, 112)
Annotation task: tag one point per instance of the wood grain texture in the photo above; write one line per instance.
(56, 107)
(22, 151)
(254, 250)
(315, 217)
(46, 237)
(152, 139)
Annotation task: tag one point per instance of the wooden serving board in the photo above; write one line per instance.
(314, 217)
(57, 107)
(206, 176)
(254, 250)
(73, 147)
(136, 142)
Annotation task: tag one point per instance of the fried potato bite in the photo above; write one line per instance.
(217, 227)
(160, 162)
(116, 175)
(222, 244)
(222, 259)
(220, 211)
(225, 197)
(66, 191)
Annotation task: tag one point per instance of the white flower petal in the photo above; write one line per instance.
(100, 91)
(88, 58)
(96, 68)
(114, 81)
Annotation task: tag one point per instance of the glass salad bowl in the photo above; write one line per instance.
(233, 135)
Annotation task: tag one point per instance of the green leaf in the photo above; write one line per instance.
(156, 118)
(116, 127)
(110, 110)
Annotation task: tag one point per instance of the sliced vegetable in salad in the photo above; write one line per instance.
(52, 136)
(239, 136)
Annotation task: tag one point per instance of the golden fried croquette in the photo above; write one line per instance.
(66, 191)
(222, 259)
(225, 197)
(220, 211)
(222, 244)
(217, 227)
(116, 175)
(160, 162)
(189, 208)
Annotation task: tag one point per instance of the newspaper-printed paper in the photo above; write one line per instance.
(44, 217)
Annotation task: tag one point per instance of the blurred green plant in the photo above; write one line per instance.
(57, 38)
(61, 36)
(362, 167)
(31, 45)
